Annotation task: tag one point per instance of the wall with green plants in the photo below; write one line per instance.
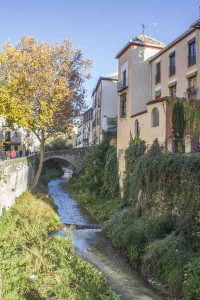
(159, 230)
(165, 183)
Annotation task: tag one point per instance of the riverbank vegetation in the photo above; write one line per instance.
(35, 265)
(157, 225)
(159, 230)
(97, 188)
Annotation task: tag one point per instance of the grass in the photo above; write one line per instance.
(36, 266)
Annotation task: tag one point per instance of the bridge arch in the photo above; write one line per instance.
(73, 156)
(60, 158)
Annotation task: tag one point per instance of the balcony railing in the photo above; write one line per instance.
(191, 60)
(192, 93)
(172, 70)
(157, 78)
(122, 84)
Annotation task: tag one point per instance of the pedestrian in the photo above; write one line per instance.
(20, 152)
(12, 154)
(8, 154)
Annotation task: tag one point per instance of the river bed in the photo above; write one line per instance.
(95, 248)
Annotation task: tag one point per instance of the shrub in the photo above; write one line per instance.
(58, 143)
(97, 187)
(191, 283)
(110, 185)
(132, 234)
(165, 261)
(135, 150)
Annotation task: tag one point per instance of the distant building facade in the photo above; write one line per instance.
(79, 143)
(87, 127)
(18, 138)
(104, 108)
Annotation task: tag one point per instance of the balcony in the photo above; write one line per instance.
(157, 78)
(191, 60)
(123, 84)
(172, 70)
(109, 123)
(192, 93)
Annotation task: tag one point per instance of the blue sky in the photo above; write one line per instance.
(100, 28)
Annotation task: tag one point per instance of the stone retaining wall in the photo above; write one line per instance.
(16, 176)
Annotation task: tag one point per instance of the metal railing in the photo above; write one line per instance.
(122, 84)
(192, 93)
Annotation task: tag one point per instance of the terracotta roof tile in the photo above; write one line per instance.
(145, 39)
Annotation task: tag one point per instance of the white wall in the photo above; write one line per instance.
(140, 76)
(15, 177)
(109, 100)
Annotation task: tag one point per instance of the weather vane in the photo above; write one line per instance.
(143, 28)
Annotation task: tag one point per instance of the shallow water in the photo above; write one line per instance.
(95, 248)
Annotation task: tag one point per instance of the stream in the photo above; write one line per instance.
(91, 244)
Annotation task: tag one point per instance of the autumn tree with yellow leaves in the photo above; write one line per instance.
(41, 87)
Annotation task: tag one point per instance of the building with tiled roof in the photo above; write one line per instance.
(149, 73)
(147, 40)
(142, 41)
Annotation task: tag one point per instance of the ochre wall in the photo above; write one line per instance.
(182, 69)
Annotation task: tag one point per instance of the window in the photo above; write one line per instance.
(192, 88)
(172, 64)
(155, 117)
(98, 117)
(137, 128)
(192, 52)
(158, 94)
(192, 81)
(124, 78)
(123, 105)
(172, 91)
(158, 73)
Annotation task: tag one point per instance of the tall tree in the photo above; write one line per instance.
(178, 119)
(41, 87)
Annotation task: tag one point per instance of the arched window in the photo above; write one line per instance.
(155, 117)
(137, 128)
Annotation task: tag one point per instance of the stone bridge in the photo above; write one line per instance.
(74, 156)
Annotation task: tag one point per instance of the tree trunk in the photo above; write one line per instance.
(39, 170)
